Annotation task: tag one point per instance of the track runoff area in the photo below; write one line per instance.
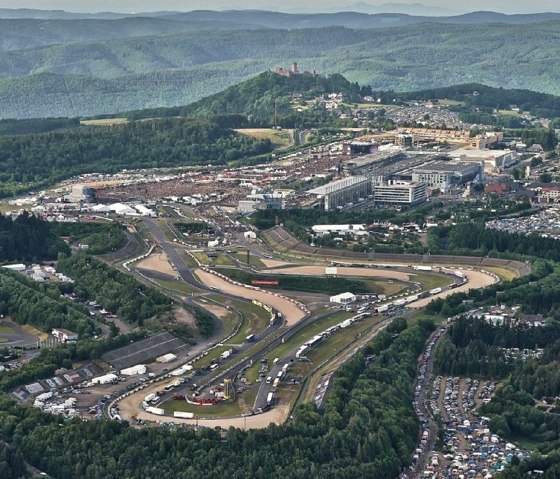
(256, 380)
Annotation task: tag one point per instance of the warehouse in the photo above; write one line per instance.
(445, 174)
(494, 160)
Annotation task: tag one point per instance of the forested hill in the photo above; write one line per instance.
(261, 97)
(32, 161)
(160, 70)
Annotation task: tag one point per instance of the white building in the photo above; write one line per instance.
(343, 298)
(344, 192)
(250, 235)
(400, 193)
(494, 160)
(20, 268)
(64, 335)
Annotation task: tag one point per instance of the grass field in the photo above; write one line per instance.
(503, 273)
(177, 286)
(35, 332)
(104, 122)
(224, 260)
(202, 257)
(279, 138)
(254, 261)
(6, 329)
(430, 281)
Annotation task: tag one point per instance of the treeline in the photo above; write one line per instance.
(36, 125)
(115, 291)
(100, 237)
(474, 238)
(12, 465)
(35, 160)
(369, 429)
(26, 238)
(307, 284)
(27, 302)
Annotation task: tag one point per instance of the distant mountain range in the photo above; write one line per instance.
(74, 66)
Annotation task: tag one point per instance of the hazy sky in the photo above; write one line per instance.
(506, 6)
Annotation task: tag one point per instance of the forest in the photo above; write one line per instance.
(100, 237)
(28, 239)
(369, 430)
(28, 302)
(117, 292)
(32, 161)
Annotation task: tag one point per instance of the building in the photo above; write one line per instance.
(400, 193)
(81, 193)
(406, 141)
(343, 298)
(445, 174)
(493, 160)
(342, 193)
(64, 335)
(20, 268)
(322, 230)
(362, 147)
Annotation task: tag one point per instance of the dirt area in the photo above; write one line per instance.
(217, 310)
(345, 271)
(292, 314)
(184, 317)
(476, 280)
(273, 263)
(157, 262)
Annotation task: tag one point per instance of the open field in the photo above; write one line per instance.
(177, 286)
(279, 138)
(254, 261)
(292, 314)
(35, 332)
(505, 274)
(104, 122)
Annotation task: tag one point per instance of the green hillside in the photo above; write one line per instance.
(168, 70)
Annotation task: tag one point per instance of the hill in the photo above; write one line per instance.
(107, 76)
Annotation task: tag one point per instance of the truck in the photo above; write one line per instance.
(155, 410)
(226, 354)
(435, 291)
(275, 383)
(150, 397)
(269, 399)
(250, 338)
(268, 379)
(423, 268)
(383, 308)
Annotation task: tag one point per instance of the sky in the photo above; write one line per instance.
(135, 6)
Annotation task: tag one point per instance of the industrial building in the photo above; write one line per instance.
(321, 230)
(343, 193)
(80, 193)
(494, 160)
(400, 193)
(445, 174)
(64, 335)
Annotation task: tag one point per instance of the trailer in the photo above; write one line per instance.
(250, 338)
(226, 354)
(383, 308)
(269, 399)
(276, 383)
(150, 397)
(155, 410)
(183, 415)
(423, 268)
(435, 291)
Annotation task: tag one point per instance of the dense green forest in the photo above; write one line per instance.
(117, 292)
(100, 237)
(28, 302)
(27, 238)
(368, 430)
(37, 125)
(139, 72)
(33, 160)
(474, 238)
